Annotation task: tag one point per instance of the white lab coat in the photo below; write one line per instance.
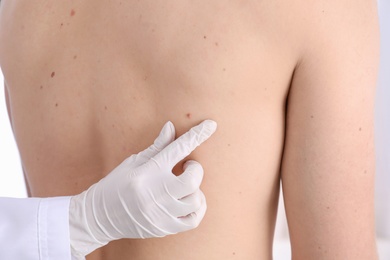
(34, 229)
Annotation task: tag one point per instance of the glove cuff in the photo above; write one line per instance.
(82, 240)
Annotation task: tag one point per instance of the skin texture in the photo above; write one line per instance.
(91, 82)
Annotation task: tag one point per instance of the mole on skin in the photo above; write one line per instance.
(188, 115)
(72, 12)
(53, 74)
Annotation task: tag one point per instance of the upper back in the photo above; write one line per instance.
(80, 66)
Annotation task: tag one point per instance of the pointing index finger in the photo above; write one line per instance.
(185, 144)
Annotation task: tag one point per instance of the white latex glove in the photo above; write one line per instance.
(142, 198)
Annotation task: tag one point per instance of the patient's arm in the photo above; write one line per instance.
(328, 164)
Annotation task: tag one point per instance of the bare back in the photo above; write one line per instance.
(92, 82)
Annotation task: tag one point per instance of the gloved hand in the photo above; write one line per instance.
(142, 198)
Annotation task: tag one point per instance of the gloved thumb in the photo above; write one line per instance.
(166, 136)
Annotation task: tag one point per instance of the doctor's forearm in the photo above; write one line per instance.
(34, 228)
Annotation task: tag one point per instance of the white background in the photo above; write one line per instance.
(12, 182)
(11, 177)
(382, 126)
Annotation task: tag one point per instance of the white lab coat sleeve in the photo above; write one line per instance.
(35, 228)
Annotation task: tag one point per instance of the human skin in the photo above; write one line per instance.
(290, 84)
